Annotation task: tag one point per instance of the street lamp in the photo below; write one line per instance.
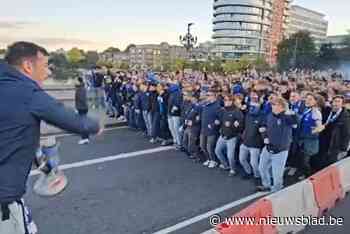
(188, 40)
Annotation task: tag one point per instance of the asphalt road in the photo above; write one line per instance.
(140, 193)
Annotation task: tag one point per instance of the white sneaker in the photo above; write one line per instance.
(206, 163)
(84, 142)
(212, 164)
(232, 173)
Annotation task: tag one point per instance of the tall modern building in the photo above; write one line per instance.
(248, 27)
(303, 19)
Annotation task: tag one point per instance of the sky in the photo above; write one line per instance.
(96, 25)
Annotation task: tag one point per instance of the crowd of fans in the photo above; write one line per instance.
(252, 124)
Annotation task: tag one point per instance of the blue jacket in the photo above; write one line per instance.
(279, 132)
(175, 101)
(145, 99)
(210, 113)
(22, 107)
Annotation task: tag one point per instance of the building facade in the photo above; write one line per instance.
(338, 41)
(303, 19)
(248, 27)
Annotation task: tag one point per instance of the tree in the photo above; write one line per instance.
(231, 66)
(124, 66)
(128, 48)
(180, 64)
(75, 56)
(59, 60)
(346, 41)
(112, 50)
(91, 59)
(260, 64)
(328, 57)
(61, 68)
(298, 51)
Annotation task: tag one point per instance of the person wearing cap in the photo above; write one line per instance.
(231, 126)
(210, 125)
(277, 135)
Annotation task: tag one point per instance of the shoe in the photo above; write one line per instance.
(301, 178)
(262, 189)
(232, 173)
(223, 167)
(257, 181)
(152, 141)
(212, 164)
(84, 142)
(111, 116)
(197, 160)
(164, 143)
(206, 163)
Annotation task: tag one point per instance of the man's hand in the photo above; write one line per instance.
(266, 141)
(102, 128)
(318, 129)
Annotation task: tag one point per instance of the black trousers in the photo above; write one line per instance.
(84, 113)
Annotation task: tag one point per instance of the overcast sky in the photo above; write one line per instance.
(92, 24)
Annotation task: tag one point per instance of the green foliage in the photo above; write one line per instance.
(112, 50)
(128, 47)
(91, 59)
(298, 51)
(328, 57)
(75, 56)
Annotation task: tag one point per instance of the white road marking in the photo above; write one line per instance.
(108, 159)
(210, 213)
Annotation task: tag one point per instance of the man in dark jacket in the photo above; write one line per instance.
(278, 136)
(210, 125)
(252, 141)
(231, 120)
(81, 105)
(337, 126)
(24, 104)
(174, 113)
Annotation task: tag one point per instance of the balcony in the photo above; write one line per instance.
(252, 3)
(243, 19)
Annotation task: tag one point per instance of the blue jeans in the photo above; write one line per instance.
(275, 163)
(174, 125)
(251, 167)
(147, 117)
(229, 146)
(156, 125)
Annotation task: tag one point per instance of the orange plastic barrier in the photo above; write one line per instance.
(327, 188)
(258, 211)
